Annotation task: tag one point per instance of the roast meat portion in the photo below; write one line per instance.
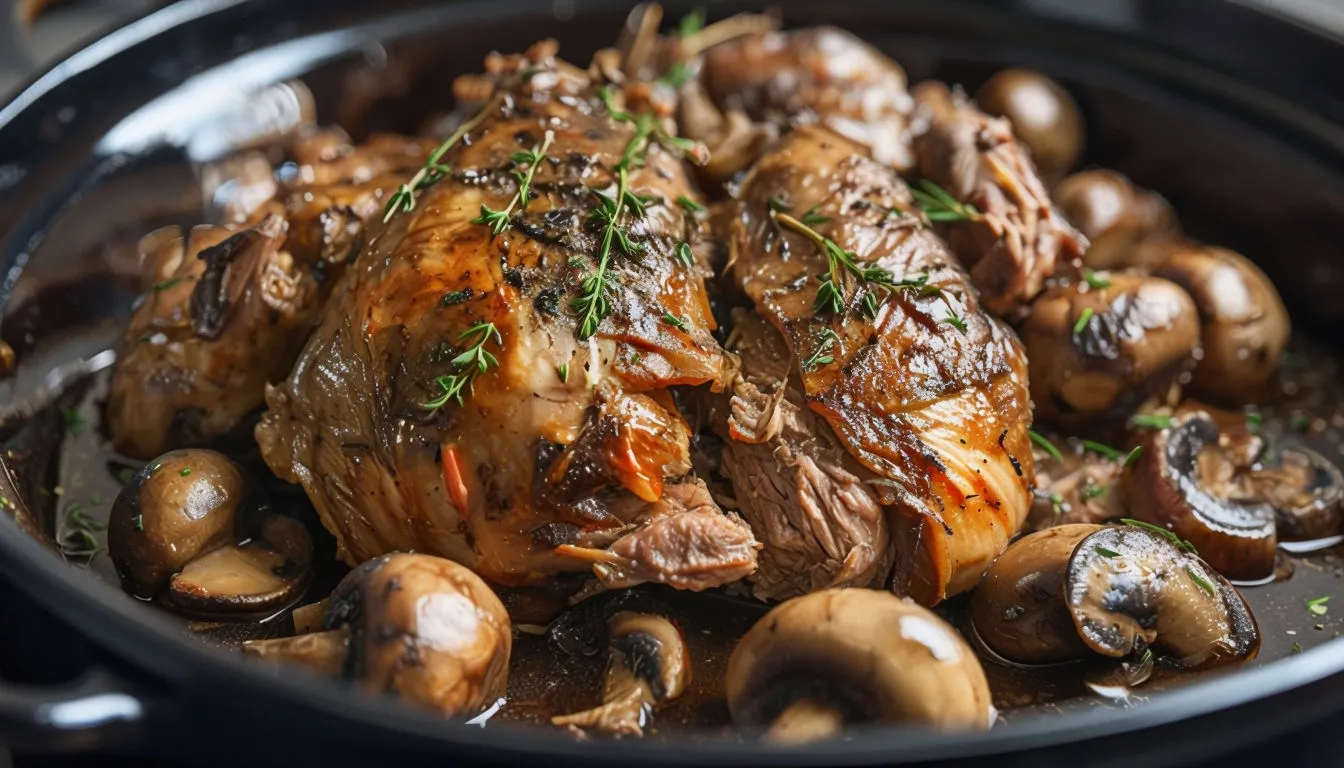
(226, 308)
(490, 383)
(890, 348)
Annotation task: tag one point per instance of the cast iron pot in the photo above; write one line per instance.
(1224, 108)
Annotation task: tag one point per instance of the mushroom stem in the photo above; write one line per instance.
(804, 721)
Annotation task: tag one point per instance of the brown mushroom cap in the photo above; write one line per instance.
(1114, 214)
(177, 507)
(1018, 610)
(867, 653)
(426, 629)
(1193, 483)
(1044, 116)
(1244, 323)
(1098, 352)
(1129, 588)
(1307, 493)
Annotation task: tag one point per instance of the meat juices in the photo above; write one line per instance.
(928, 394)
(565, 455)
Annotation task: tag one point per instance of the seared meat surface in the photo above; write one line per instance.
(227, 308)
(816, 75)
(923, 388)
(1015, 239)
(490, 384)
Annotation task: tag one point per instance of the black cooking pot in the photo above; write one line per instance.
(1226, 109)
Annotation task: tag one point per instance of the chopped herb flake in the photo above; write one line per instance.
(164, 285)
(1102, 449)
(674, 321)
(938, 205)
(1163, 532)
(812, 218)
(1104, 552)
(455, 297)
(1133, 456)
(1095, 280)
(685, 255)
(1083, 319)
(563, 372)
(689, 205)
(1200, 581)
(185, 471)
(1150, 421)
(1318, 605)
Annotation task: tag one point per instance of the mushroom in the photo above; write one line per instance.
(1018, 609)
(192, 528)
(818, 661)
(1130, 588)
(1044, 116)
(423, 628)
(1193, 482)
(1081, 489)
(1099, 351)
(1244, 322)
(647, 666)
(1307, 493)
(1113, 213)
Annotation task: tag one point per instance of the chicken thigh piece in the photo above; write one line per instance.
(890, 347)
(490, 383)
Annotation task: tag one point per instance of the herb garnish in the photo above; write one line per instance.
(563, 372)
(1297, 647)
(1104, 552)
(812, 218)
(185, 471)
(455, 297)
(1163, 532)
(674, 321)
(139, 523)
(79, 539)
(691, 23)
(830, 296)
(73, 421)
(403, 200)
(164, 285)
(1091, 491)
(689, 205)
(818, 358)
(1150, 421)
(1200, 581)
(475, 360)
(1095, 280)
(498, 221)
(1254, 419)
(938, 205)
(685, 255)
(955, 320)
(1134, 454)
(1045, 444)
(1083, 318)
(1318, 606)
(591, 303)
(1102, 449)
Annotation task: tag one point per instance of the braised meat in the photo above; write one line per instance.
(816, 75)
(922, 387)
(491, 382)
(1012, 238)
(227, 308)
(809, 501)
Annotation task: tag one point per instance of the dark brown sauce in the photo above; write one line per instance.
(546, 680)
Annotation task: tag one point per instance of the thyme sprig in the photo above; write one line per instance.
(820, 356)
(403, 200)
(80, 539)
(475, 360)
(592, 303)
(498, 221)
(938, 205)
(831, 294)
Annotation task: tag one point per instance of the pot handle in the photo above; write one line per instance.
(94, 712)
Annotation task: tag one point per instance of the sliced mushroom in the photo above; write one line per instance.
(1115, 215)
(1195, 483)
(648, 666)
(1100, 351)
(1130, 588)
(423, 628)
(192, 528)
(1307, 493)
(1081, 489)
(1044, 116)
(815, 662)
(1244, 323)
(1018, 610)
